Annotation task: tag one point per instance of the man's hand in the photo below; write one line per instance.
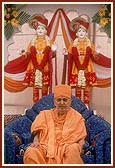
(36, 141)
(81, 143)
(35, 144)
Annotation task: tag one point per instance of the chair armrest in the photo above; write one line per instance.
(102, 151)
(10, 145)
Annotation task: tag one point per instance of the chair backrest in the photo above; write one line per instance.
(94, 124)
(47, 102)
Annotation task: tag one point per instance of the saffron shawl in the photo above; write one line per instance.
(73, 131)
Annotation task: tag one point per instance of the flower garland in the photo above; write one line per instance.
(44, 60)
(81, 79)
(33, 52)
(86, 58)
(38, 78)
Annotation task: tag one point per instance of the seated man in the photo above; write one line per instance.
(59, 133)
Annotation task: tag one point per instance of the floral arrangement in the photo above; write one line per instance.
(81, 79)
(13, 19)
(103, 18)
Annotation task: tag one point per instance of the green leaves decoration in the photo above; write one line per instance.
(103, 18)
(13, 19)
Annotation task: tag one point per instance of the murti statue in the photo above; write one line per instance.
(81, 72)
(39, 70)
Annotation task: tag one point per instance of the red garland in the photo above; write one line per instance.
(69, 67)
(51, 70)
(44, 60)
(86, 59)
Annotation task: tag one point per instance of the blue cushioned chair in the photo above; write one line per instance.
(97, 148)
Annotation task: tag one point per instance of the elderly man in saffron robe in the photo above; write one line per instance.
(59, 133)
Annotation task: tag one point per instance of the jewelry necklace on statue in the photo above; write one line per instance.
(82, 43)
(40, 45)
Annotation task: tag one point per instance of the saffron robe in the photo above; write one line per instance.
(58, 144)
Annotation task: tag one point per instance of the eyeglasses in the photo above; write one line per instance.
(60, 99)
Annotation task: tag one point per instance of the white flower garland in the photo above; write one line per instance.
(81, 79)
(38, 78)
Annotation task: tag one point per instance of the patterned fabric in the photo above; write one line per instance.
(9, 118)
